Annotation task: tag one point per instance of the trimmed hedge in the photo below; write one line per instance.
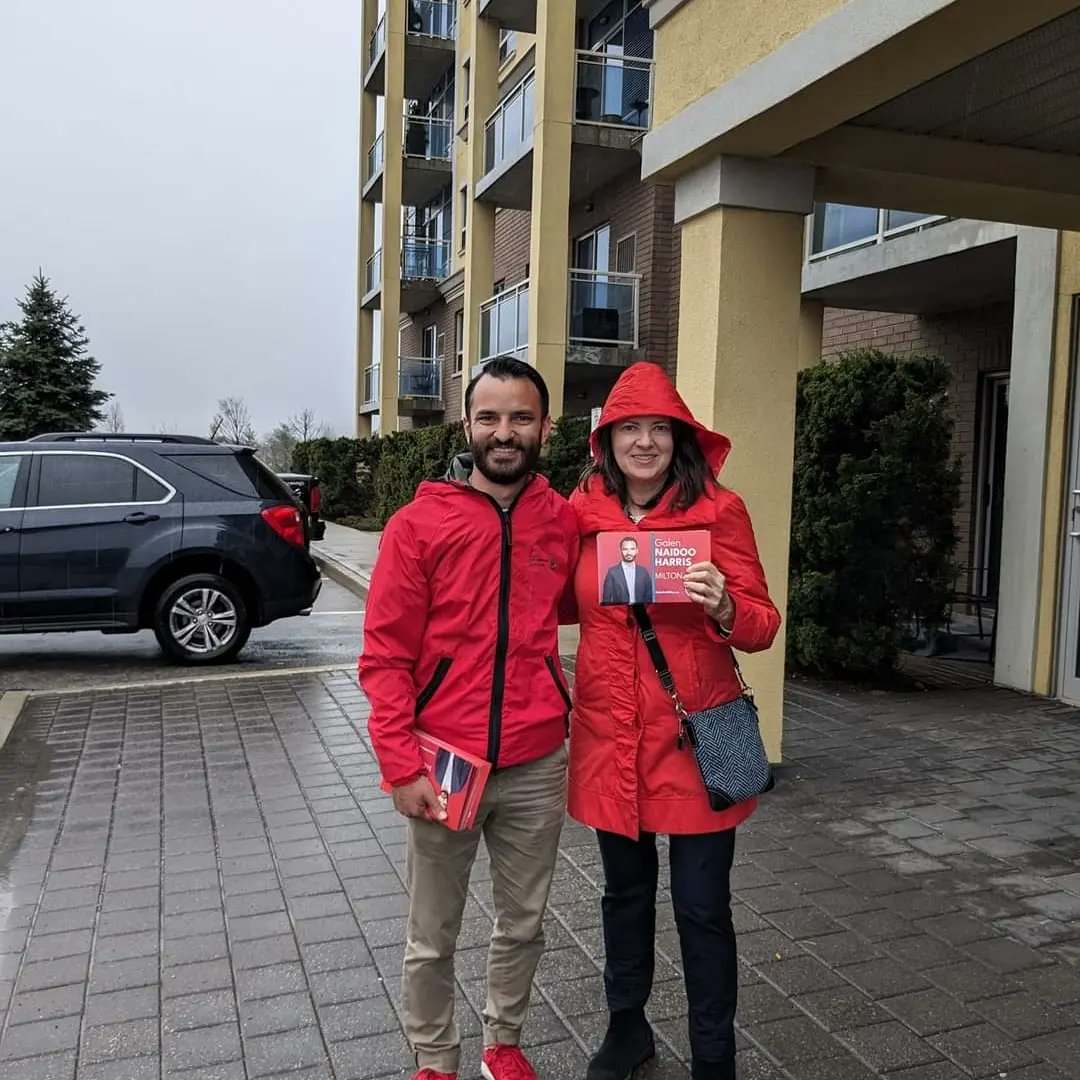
(346, 469)
(875, 493)
(368, 479)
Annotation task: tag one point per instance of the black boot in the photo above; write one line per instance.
(627, 1044)
(712, 1070)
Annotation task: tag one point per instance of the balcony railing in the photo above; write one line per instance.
(377, 42)
(428, 137)
(373, 274)
(504, 324)
(424, 259)
(510, 126)
(615, 91)
(375, 156)
(431, 18)
(837, 227)
(604, 308)
(419, 377)
(371, 385)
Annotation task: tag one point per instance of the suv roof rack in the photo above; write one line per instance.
(111, 436)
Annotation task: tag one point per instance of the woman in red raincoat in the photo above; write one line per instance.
(654, 469)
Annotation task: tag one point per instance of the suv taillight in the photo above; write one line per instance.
(287, 523)
(316, 499)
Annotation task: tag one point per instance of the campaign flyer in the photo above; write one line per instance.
(459, 780)
(647, 567)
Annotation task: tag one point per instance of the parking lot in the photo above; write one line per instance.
(328, 638)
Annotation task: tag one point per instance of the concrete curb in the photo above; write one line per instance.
(11, 707)
(338, 570)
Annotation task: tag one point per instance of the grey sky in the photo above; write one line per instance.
(186, 174)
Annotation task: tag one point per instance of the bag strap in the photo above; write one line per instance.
(656, 654)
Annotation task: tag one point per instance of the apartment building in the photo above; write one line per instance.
(951, 113)
(506, 140)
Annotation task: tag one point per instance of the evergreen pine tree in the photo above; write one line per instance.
(47, 377)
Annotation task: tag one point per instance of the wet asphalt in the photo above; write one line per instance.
(328, 638)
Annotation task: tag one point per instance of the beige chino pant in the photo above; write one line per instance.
(520, 817)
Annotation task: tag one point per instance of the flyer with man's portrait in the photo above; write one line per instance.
(647, 567)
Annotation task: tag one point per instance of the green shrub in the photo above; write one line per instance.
(567, 452)
(875, 493)
(409, 457)
(346, 469)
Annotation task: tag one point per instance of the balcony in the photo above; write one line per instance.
(371, 396)
(373, 169)
(837, 228)
(508, 136)
(504, 324)
(429, 45)
(375, 76)
(424, 263)
(419, 386)
(613, 98)
(372, 281)
(603, 310)
(517, 15)
(427, 144)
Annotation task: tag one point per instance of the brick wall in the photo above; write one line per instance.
(512, 245)
(975, 343)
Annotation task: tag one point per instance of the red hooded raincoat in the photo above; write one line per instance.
(626, 774)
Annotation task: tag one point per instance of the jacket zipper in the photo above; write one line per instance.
(433, 684)
(550, 661)
(502, 638)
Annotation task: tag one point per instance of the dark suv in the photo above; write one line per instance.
(197, 541)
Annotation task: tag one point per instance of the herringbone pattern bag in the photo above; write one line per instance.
(725, 738)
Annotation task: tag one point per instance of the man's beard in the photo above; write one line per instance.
(504, 472)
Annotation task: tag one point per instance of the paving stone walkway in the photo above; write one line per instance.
(202, 882)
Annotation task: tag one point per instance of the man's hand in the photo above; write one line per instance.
(706, 585)
(418, 800)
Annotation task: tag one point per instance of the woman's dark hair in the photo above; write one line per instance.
(689, 473)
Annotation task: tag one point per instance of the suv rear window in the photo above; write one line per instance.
(242, 474)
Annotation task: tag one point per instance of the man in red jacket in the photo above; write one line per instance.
(461, 641)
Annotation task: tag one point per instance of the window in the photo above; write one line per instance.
(9, 476)
(238, 473)
(94, 480)
(466, 84)
(459, 342)
(626, 255)
(593, 250)
(464, 217)
(498, 287)
(507, 45)
(431, 342)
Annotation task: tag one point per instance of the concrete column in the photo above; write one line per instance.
(365, 220)
(741, 327)
(387, 348)
(483, 53)
(1023, 536)
(549, 245)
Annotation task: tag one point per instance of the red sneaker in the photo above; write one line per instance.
(431, 1074)
(506, 1063)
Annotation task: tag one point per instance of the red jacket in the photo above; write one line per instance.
(461, 625)
(626, 774)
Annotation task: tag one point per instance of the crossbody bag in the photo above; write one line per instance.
(725, 738)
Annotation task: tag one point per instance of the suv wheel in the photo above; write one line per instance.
(201, 619)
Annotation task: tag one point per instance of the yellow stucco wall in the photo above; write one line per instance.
(707, 42)
(1057, 465)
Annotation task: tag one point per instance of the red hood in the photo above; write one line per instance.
(645, 390)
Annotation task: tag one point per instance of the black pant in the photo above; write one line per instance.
(701, 893)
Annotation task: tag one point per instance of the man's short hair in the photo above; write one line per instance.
(508, 367)
(628, 540)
